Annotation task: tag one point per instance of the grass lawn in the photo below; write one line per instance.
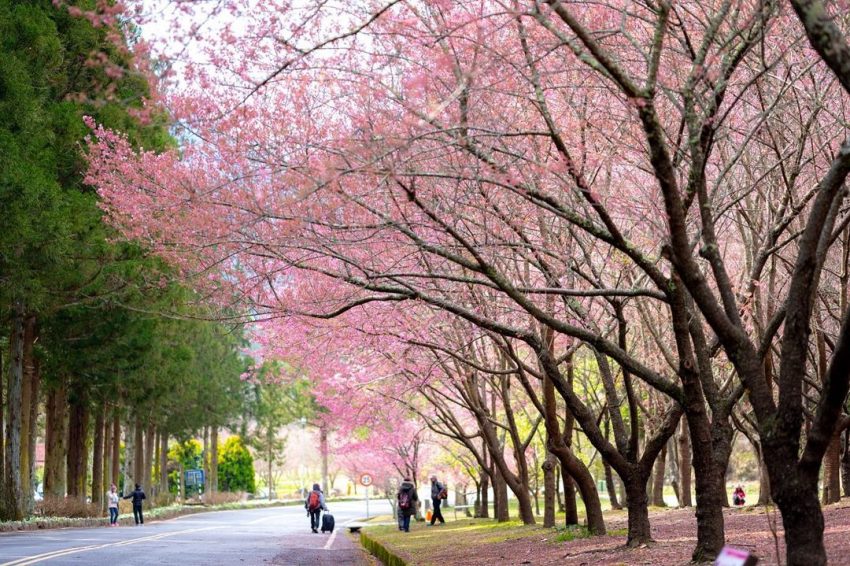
(483, 542)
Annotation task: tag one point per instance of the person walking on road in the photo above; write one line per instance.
(408, 499)
(137, 495)
(314, 504)
(112, 501)
(438, 494)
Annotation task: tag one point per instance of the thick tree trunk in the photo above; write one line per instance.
(214, 459)
(574, 470)
(323, 450)
(832, 471)
(206, 459)
(56, 442)
(639, 530)
(29, 423)
(77, 461)
(610, 486)
(802, 519)
(163, 462)
(482, 503)
(710, 487)
(15, 504)
(764, 483)
(116, 448)
(500, 497)
(845, 464)
(129, 457)
(684, 439)
(148, 464)
(570, 504)
(549, 482)
(2, 435)
(156, 461)
(139, 452)
(658, 479)
(106, 464)
(97, 490)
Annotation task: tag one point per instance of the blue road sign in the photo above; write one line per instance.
(193, 477)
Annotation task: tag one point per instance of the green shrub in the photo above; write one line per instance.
(380, 552)
(235, 467)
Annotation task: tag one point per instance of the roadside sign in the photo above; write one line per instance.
(365, 480)
(193, 477)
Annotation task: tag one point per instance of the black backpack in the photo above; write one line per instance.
(404, 499)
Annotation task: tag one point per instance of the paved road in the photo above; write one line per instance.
(273, 536)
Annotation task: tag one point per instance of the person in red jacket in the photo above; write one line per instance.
(314, 504)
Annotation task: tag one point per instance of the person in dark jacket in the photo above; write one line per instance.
(436, 498)
(314, 504)
(408, 499)
(137, 495)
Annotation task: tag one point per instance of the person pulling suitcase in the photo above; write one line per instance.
(314, 504)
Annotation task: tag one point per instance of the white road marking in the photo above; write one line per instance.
(26, 561)
(331, 540)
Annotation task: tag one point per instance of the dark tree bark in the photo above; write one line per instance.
(214, 459)
(549, 482)
(56, 441)
(845, 464)
(148, 463)
(15, 504)
(684, 439)
(658, 479)
(29, 413)
(610, 487)
(163, 462)
(2, 434)
(500, 497)
(832, 471)
(77, 460)
(115, 471)
(637, 506)
(129, 469)
(573, 467)
(97, 491)
(206, 461)
(106, 461)
(138, 452)
(482, 503)
(155, 463)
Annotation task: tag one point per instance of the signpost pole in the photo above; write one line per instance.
(366, 481)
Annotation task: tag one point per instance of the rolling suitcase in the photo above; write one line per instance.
(327, 523)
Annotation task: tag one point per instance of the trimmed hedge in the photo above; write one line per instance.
(379, 551)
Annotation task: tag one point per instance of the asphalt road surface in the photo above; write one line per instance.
(273, 536)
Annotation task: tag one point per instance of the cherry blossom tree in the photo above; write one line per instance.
(548, 177)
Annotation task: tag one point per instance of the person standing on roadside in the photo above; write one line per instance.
(438, 493)
(314, 504)
(112, 504)
(137, 495)
(408, 499)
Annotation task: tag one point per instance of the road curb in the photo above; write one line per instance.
(379, 551)
(48, 523)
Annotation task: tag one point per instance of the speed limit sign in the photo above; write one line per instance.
(365, 480)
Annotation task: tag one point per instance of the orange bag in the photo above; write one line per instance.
(428, 515)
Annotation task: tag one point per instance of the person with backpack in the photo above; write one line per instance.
(408, 499)
(739, 498)
(137, 495)
(314, 504)
(112, 500)
(438, 494)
